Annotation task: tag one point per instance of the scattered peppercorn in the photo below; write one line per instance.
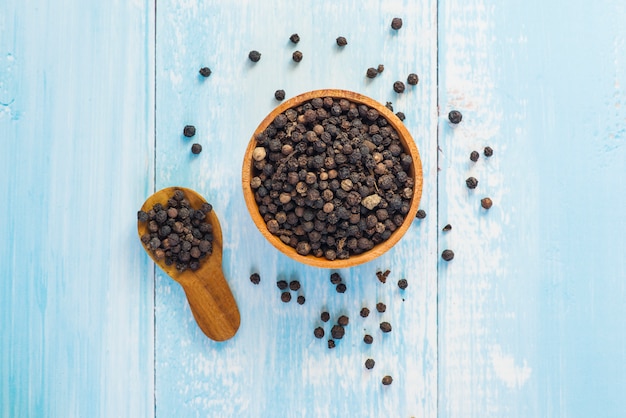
(474, 156)
(471, 182)
(403, 284)
(295, 38)
(380, 68)
(381, 276)
(486, 203)
(396, 23)
(412, 79)
(255, 278)
(301, 300)
(335, 278)
(254, 56)
(341, 41)
(369, 364)
(447, 228)
(455, 116)
(297, 56)
(279, 95)
(282, 284)
(387, 380)
(205, 71)
(189, 131)
(398, 87)
(341, 288)
(318, 332)
(325, 316)
(343, 320)
(294, 285)
(447, 255)
(331, 344)
(389, 106)
(337, 332)
(488, 152)
(371, 72)
(401, 116)
(368, 339)
(364, 312)
(421, 214)
(196, 148)
(385, 327)
(285, 297)
(381, 307)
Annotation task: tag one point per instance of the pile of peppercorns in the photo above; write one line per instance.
(331, 178)
(177, 233)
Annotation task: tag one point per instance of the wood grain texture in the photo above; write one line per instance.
(414, 172)
(274, 366)
(76, 131)
(531, 319)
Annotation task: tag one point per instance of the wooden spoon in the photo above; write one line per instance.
(210, 299)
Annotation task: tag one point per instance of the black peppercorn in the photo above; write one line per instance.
(471, 182)
(369, 364)
(318, 332)
(455, 116)
(301, 300)
(205, 71)
(396, 23)
(447, 255)
(412, 79)
(364, 312)
(337, 332)
(403, 284)
(255, 278)
(331, 344)
(398, 87)
(282, 284)
(341, 288)
(368, 339)
(486, 203)
(297, 56)
(254, 56)
(387, 380)
(474, 156)
(279, 95)
(335, 278)
(385, 327)
(295, 38)
(285, 296)
(421, 214)
(343, 320)
(196, 148)
(189, 131)
(381, 276)
(142, 216)
(447, 228)
(381, 307)
(401, 116)
(488, 152)
(380, 68)
(371, 72)
(325, 316)
(341, 41)
(294, 285)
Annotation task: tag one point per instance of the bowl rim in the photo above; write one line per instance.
(408, 144)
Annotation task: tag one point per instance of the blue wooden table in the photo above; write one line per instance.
(528, 320)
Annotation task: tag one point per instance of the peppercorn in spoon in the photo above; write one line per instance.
(182, 235)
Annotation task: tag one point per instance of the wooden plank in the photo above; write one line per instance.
(274, 366)
(77, 138)
(532, 306)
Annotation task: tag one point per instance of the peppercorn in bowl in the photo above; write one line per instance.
(332, 178)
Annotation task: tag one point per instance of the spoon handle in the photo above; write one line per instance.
(212, 304)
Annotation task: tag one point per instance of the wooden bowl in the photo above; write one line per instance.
(415, 173)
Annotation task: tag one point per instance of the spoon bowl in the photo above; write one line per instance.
(210, 298)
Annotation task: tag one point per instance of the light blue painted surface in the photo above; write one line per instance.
(528, 317)
(532, 308)
(76, 132)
